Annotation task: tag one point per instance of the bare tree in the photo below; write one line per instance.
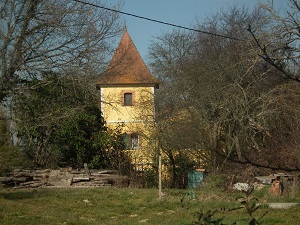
(279, 42)
(225, 89)
(43, 38)
(169, 54)
(40, 35)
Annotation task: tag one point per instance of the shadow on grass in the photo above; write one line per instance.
(19, 195)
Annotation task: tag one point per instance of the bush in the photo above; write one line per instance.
(10, 159)
(214, 182)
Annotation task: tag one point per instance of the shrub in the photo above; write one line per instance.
(10, 159)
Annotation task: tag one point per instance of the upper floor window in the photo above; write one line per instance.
(128, 98)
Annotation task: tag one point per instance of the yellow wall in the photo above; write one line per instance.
(138, 118)
(113, 110)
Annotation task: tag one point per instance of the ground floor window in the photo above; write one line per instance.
(132, 141)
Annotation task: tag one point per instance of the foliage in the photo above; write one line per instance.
(202, 217)
(205, 218)
(184, 164)
(178, 164)
(149, 178)
(82, 139)
(10, 156)
(247, 202)
(119, 159)
(10, 159)
(214, 182)
(42, 108)
(4, 131)
(37, 38)
(60, 124)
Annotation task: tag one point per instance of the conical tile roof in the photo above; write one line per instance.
(127, 66)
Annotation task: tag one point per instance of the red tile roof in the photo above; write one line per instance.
(127, 66)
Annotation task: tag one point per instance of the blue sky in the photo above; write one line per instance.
(179, 12)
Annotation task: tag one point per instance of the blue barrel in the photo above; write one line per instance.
(195, 178)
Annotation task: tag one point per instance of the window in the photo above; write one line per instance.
(132, 141)
(128, 99)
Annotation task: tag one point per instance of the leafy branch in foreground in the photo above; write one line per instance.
(202, 217)
(205, 218)
(247, 202)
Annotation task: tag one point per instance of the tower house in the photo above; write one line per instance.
(127, 98)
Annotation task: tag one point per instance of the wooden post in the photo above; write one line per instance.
(159, 177)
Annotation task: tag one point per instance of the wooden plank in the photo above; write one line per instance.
(80, 179)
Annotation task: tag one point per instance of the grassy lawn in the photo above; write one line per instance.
(130, 206)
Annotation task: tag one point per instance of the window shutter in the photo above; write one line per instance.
(133, 98)
(122, 97)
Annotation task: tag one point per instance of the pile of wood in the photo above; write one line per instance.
(63, 178)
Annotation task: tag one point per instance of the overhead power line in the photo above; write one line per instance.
(157, 21)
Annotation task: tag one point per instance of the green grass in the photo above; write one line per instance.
(128, 207)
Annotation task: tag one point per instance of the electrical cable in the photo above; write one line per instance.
(158, 21)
